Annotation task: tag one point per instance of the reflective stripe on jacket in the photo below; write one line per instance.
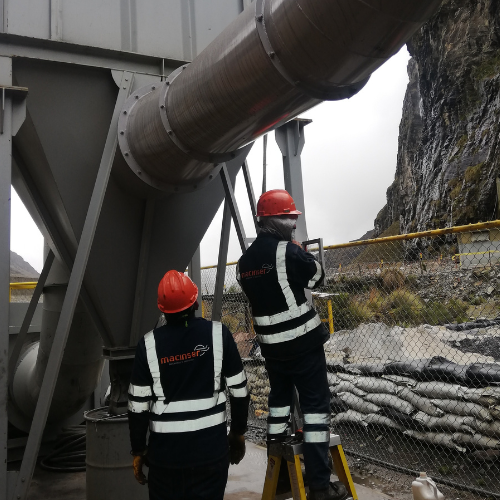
(178, 390)
(273, 274)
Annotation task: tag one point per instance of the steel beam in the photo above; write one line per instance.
(221, 263)
(21, 336)
(194, 271)
(251, 195)
(233, 207)
(5, 182)
(147, 228)
(12, 116)
(71, 298)
(72, 53)
(290, 139)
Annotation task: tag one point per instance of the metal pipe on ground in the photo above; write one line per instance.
(275, 61)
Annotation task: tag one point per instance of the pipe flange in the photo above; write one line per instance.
(129, 104)
(198, 155)
(322, 91)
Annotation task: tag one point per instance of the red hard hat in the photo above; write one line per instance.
(176, 292)
(276, 202)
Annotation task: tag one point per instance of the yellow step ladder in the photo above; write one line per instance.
(290, 453)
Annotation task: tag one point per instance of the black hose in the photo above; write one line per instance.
(69, 452)
(412, 472)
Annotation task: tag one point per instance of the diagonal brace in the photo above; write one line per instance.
(71, 298)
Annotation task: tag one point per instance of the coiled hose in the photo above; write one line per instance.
(68, 454)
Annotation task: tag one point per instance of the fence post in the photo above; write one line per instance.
(330, 317)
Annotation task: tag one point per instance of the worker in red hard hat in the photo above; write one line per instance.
(273, 273)
(177, 391)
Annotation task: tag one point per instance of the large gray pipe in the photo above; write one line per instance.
(275, 61)
(80, 369)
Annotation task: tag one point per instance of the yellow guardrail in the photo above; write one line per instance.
(480, 226)
(24, 285)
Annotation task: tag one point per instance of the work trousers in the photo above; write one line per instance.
(206, 482)
(308, 374)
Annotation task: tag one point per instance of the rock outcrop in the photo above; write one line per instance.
(449, 156)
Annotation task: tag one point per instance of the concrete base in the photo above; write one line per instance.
(246, 481)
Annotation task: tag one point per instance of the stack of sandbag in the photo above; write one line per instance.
(419, 399)
(258, 387)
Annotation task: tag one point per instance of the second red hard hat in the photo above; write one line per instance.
(176, 292)
(276, 202)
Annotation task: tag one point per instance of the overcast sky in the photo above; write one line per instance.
(348, 162)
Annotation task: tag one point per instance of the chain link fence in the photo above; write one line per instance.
(413, 356)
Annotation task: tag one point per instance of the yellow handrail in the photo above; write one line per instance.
(480, 226)
(22, 285)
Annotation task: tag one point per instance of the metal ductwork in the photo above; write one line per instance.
(80, 369)
(275, 61)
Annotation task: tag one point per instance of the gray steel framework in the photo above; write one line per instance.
(251, 195)
(37, 293)
(194, 271)
(290, 138)
(13, 112)
(70, 300)
(25, 185)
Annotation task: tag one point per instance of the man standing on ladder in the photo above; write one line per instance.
(177, 390)
(273, 274)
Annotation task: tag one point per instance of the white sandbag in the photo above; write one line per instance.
(349, 416)
(476, 441)
(373, 418)
(463, 408)
(495, 412)
(400, 380)
(332, 378)
(437, 438)
(448, 422)
(486, 428)
(347, 377)
(344, 386)
(375, 385)
(486, 396)
(439, 390)
(356, 403)
(419, 402)
(392, 401)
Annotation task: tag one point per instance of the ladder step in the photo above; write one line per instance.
(287, 454)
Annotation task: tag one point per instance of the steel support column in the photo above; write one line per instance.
(12, 115)
(194, 271)
(233, 207)
(221, 263)
(251, 195)
(290, 139)
(5, 178)
(71, 298)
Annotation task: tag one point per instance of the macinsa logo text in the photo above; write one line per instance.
(197, 352)
(266, 268)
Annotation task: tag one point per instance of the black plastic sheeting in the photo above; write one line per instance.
(442, 370)
(480, 323)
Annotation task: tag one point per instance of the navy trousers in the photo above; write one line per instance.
(206, 482)
(308, 374)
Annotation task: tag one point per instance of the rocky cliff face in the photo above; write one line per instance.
(449, 153)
